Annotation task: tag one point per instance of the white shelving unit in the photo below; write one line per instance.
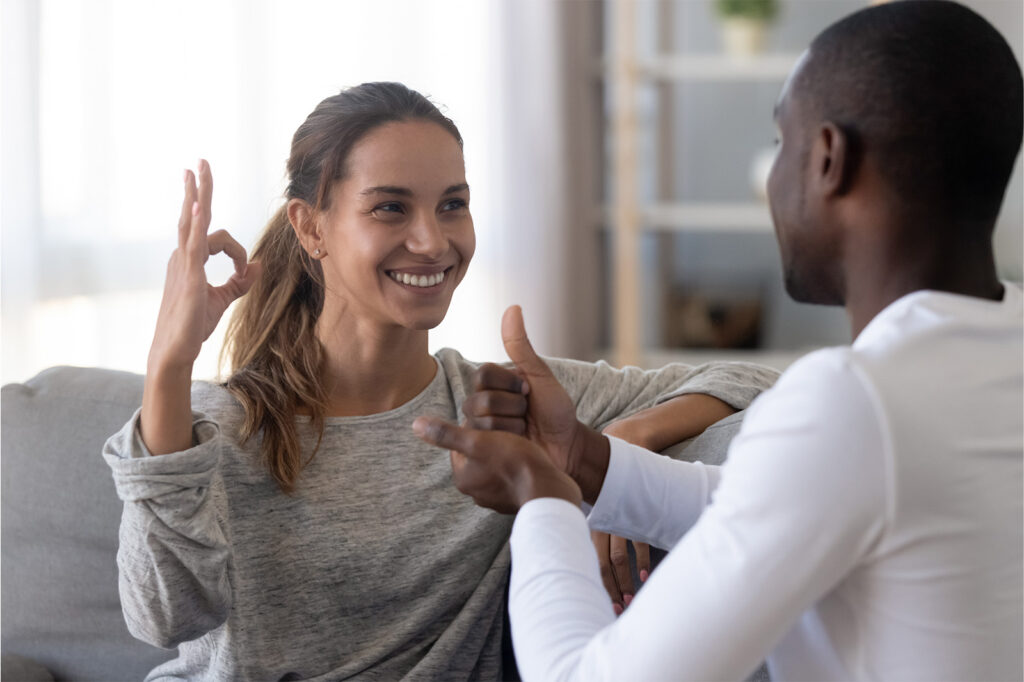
(630, 218)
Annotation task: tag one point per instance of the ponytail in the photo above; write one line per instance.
(277, 358)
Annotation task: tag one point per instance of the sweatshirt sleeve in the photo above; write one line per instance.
(604, 394)
(173, 554)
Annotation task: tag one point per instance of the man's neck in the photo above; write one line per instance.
(888, 280)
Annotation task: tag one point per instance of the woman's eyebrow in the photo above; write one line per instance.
(387, 189)
(406, 192)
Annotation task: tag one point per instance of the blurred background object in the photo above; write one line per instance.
(744, 24)
(613, 149)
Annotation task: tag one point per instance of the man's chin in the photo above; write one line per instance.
(804, 292)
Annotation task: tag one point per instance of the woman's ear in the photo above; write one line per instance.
(833, 160)
(307, 228)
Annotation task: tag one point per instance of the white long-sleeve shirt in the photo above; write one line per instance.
(867, 524)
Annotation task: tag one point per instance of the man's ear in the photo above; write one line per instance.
(833, 160)
(307, 228)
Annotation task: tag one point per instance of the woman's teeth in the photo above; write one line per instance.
(418, 280)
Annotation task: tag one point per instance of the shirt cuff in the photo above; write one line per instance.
(650, 498)
(615, 482)
(138, 474)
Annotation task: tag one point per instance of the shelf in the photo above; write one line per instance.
(714, 67)
(691, 216)
(718, 67)
(713, 217)
(635, 81)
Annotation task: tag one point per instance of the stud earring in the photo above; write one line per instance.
(316, 252)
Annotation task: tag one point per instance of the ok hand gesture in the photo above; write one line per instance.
(189, 312)
(191, 306)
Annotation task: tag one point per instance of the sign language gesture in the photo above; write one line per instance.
(529, 401)
(498, 469)
(189, 312)
(191, 306)
(491, 461)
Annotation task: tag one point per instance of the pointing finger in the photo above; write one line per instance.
(444, 435)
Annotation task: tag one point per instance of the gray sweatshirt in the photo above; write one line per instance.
(376, 568)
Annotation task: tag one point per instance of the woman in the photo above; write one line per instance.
(288, 524)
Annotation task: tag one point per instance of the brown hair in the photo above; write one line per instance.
(271, 340)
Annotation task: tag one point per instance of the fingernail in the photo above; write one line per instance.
(617, 608)
(628, 599)
(525, 388)
(644, 575)
(195, 208)
(419, 426)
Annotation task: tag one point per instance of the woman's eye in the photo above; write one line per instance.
(453, 205)
(390, 207)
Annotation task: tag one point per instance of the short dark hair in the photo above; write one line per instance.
(933, 91)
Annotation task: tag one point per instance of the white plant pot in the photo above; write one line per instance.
(743, 37)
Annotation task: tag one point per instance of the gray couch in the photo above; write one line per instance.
(59, 521)
(61, 617)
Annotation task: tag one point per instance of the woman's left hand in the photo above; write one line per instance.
(616, 573)
(612, 550)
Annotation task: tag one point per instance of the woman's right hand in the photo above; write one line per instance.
(191, 306)
(189, 312)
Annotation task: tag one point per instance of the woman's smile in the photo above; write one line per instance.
(418, 278)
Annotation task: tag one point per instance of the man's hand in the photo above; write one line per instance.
(530, 401)
(498, 469)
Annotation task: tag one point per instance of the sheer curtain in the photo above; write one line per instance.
(106, 101)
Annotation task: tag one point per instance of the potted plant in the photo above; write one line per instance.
(744, 23)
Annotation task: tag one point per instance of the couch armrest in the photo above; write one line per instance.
(23, 669)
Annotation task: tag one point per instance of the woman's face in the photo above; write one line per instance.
(398, 235)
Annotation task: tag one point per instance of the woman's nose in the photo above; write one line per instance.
(426, 238)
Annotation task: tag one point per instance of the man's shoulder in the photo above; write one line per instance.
(820, 367)
(826, 384)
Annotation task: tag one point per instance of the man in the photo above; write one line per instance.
(868, 521)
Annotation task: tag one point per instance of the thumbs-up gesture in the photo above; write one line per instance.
(528, 400)
(491, 460)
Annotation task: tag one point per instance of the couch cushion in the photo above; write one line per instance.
(59, 524)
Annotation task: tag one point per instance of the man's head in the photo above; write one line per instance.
(922, 100)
